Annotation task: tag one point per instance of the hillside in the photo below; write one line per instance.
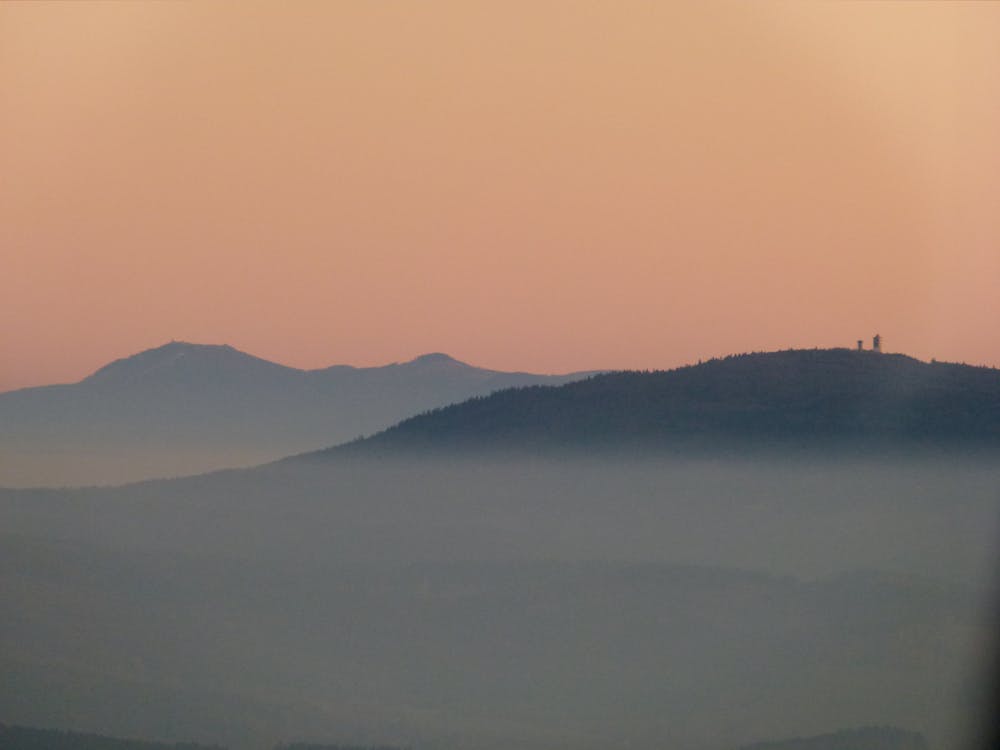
(28, 738)
(583, 655)
(591, 602)
(186, 408)
(867, 738)
(788, 398)
(24, 738)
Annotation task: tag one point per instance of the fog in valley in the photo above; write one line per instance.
(499, 376)
(570, 602)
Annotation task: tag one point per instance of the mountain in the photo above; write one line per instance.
(491, 601)
(184, 408)
(538, 601)
(796, 398)
(190, 365)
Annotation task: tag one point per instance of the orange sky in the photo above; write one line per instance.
(545, 186)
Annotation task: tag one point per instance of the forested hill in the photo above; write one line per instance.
(796, 397)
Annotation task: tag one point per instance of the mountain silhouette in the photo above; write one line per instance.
(184, 408)
(554, 590)
(180, 363)
(790, 398)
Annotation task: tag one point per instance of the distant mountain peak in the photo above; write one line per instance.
(155, 363)
(182, 408)
(177, 345)
(435, 358)
(175, 348)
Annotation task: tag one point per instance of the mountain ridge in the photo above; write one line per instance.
(148, 360)
(178, 354)
(184, 408)
(812, 395)
(173, 352)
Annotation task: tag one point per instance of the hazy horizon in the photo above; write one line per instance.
(458, 603)
(624, 185)
(182, 409)
(755, 533)
(459, 359)
(435, 353)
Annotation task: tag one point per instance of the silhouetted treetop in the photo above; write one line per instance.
(797, 396)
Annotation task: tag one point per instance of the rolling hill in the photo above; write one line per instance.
(186, 408)
(787, 399)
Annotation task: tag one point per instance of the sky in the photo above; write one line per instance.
(543, 186)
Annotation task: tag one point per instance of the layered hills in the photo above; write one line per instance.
(787, 399)
(185, 408)
(456, 598)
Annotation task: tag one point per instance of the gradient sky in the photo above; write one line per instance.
(544, 186)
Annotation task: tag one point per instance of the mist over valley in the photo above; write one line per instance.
(606, 375)
(475, 593)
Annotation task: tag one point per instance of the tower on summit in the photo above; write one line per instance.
(877, 343)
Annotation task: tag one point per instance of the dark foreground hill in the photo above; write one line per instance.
(30, 738)
(474, 655)
(867, 738)
(787, 399)
(185, 408)
(27, 738)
